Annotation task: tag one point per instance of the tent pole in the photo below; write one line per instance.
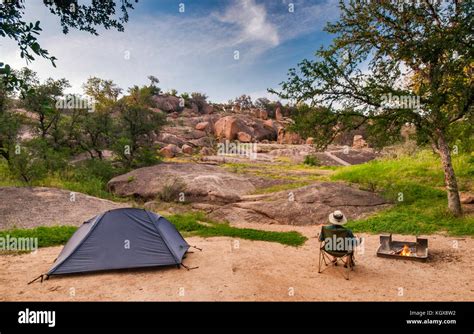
(37, 278)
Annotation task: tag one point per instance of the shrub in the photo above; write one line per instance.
(200, 100)
(172, 191)
(262, 103)
(33, 159)
(146, 156)
(312, 160)
(100, 169)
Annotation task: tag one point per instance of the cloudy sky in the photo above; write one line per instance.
(190, 51)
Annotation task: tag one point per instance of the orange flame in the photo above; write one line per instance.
(405, 251)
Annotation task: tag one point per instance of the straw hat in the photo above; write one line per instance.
(337, 218)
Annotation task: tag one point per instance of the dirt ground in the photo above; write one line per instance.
(235, 269)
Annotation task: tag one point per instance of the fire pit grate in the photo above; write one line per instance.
(417, 251)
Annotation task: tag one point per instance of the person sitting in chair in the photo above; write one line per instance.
(338, 220)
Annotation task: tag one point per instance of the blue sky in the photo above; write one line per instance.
(190, 51)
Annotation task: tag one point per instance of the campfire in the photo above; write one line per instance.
(403, 250)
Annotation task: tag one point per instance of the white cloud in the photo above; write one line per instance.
(251, 19)
(306, 17)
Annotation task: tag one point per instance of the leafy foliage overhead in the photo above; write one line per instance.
(85, 17)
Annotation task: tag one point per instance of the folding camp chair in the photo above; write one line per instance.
(331, 253)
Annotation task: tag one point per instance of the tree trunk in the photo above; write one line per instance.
(5, 154)
(454, 202)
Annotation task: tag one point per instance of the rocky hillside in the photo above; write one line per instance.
(227, 195)
(194, 129)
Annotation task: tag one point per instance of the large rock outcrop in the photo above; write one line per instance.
(287, 137)
(170, 150)
(278, 114)
(203, 183)
(302, 206)
(27, 207)
(202, 126)
(167, 103)
(359, 142)
(228, 128)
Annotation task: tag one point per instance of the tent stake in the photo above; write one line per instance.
(188, 268)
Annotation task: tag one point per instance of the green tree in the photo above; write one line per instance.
(173, 92)
(94, 132)
(40, 99)
(262, 103)
(153, 86)
(93, 129)
(104, 92)
(27, 164)
(244, 101)
(186, 98)
(420, 51)
(10, 124)
(34, 158)
(140, 96)
(136, 127)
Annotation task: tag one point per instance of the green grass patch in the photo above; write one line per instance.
(281, 187)
(47, 235)
(280, 171)
(6, 178)
(422, 217)
(424, 168)
(415, 185)
(198, 224)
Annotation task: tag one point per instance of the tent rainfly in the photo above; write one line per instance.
(119, 239)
